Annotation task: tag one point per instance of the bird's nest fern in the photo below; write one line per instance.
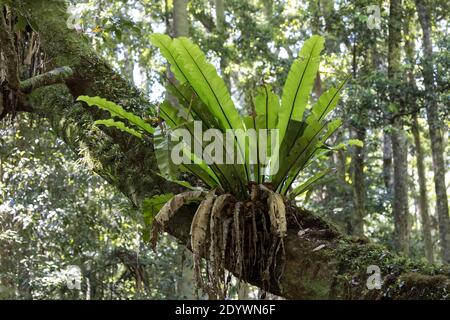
(240, 221)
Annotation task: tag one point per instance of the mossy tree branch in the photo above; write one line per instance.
(58, 75)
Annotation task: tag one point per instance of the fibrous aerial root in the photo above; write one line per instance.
(244, 237)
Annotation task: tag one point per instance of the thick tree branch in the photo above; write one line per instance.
(58, 75)
(323, 264)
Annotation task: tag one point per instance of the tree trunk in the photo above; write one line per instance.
(268, 9)
(423, 198)
(180, 18)
(415, 129)
(359, 188)
(222, 33)
(436, 128)
(387, 163)
(243, 291)
(398, 137)
(319, 262)
(220, 15)
(400, 205)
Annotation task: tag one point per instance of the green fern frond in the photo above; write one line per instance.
(117, 111)
(119, 125)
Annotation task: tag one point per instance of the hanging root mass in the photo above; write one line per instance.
(244, 237)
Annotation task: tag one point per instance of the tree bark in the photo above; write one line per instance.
(222, 33)
(319, 262)
(358, 185)
(180, 18)
(400, 203)
(220, 15)
(423, 198)
(387, 162)
(268, 9)
(359, 188)
(436, 128)
(180, 27)
(398, 137)
(415, 129)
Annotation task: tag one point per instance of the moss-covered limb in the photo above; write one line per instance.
(58, 75)
(65, 47)
(322, 264)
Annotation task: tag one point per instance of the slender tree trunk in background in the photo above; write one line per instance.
(338, 191)
(345, 188)
(180, 27)
(220, 15)
(185, 288)
(180, 18)
(268, 8)
(243, 291)
(415, 129)
(359, 188)
(387, 163)
(340, 165)
(436, 128)
(331, 20)
(128, 66)
(129, 164)
(423, 198)
(387, 144)
(316, 10)
(400, 204)
(167, 17)
(398, 137)
(357, 173)
(222, 32)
